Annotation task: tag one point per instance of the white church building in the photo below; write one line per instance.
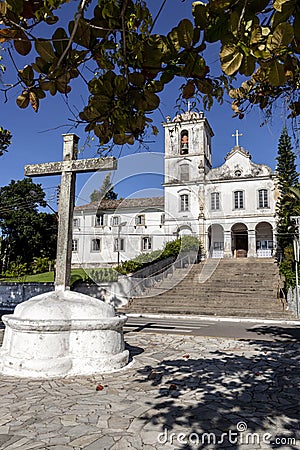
(231, 208)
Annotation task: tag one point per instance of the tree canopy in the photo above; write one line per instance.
(106, 191)
(288, 179)
(112, 46)
(26, 232)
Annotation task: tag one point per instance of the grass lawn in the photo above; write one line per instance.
(45, 277)
(76, 274)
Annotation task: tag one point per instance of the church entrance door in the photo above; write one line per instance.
(239, 240)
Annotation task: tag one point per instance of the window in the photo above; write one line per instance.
(238, 200)
(146, 243)
(184, 172)
(119, 245)
(76, 223)
(74, 245)
(115, 221)
(218, 246)
(215, 201)
(99, 222)
(263, 198)
(162, 219)
(96, 245)
(140, 219)
(184, 202)
(264, 245)
(184, 142)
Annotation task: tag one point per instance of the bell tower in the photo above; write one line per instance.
(187, 161)
(187, 143)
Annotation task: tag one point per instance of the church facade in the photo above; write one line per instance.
(231, 208)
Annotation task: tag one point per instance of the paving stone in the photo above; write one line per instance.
(103, 443)
(223, 382)
(83, 441)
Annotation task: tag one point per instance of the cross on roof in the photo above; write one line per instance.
(236, 135)
(67, 169)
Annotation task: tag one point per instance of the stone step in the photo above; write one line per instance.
(228, 288)
(251, 313)
(212, 303)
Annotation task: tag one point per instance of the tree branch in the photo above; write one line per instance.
(158, 14)
(79, 15)
(124, 38)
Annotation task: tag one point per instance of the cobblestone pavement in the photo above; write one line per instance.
(176, 389)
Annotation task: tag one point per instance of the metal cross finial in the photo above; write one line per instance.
(236, 135)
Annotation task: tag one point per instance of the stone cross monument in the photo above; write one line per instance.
(68, 169)
(64, 333)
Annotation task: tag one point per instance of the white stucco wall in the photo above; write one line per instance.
(131, 233)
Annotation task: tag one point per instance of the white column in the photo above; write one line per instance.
(251, 243)
(227, 244)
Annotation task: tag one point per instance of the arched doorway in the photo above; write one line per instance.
(216, 241)
(264, 240)
(184, 230)
(239, 236)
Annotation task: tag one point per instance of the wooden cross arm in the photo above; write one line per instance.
(77, 166)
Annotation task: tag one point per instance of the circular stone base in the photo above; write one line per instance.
(62, 333)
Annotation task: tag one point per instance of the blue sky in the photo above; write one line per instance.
(37, 136)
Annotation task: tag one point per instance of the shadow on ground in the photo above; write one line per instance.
(239, 401)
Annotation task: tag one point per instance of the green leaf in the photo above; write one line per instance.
(256, 36)
(60, 41)
(152, 101)
(137, 78)
(279, 3)
(174, 39)
(285, 13)
(167, 76)
(204, 86)
(185, 31)
(220, 5)
(22, 44)
(27, 75)
(7, 33)
(23, 100)
(15, 5)
(200, 15)
(297, 26)
(83, 33)
(231, 59)
(194, 66)
(276, 74)
(45, 50)
(217, 29)
(248, 66)
(188, 90)
(281, 37)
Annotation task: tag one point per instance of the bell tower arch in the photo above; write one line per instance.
(188, 139)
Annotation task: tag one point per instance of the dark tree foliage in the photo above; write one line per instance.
(112, 47)
(26, 232)
(5, 140)
(106, 191)
(287, 179)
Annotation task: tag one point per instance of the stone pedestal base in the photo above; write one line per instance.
(60, 334)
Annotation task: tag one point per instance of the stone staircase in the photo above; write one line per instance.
(245, 287)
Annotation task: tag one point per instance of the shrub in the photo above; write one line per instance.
(17, 269)
(171, 249)
(40, 265)
(287, 267)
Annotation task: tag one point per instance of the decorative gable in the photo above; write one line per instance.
(238, 164)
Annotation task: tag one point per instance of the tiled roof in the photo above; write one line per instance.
(151, 202)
